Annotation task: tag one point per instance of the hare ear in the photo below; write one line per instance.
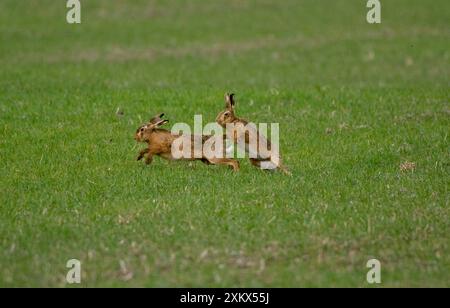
(229, 101)
(156, 118)
(161, 122)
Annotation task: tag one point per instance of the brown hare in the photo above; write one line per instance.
(261, 152)
(160, 143)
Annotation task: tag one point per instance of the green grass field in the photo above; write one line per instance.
(354, 101)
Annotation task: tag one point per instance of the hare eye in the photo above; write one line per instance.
(142, 129)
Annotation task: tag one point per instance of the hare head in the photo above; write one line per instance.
(143, 132)
(227, 116)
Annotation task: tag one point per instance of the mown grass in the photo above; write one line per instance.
(354, 101)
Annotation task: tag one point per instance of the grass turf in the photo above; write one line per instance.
(354, 101)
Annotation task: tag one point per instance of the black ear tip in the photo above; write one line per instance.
(232, 99)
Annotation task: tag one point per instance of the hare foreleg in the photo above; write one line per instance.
(142, 153)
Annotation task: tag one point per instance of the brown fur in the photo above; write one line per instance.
(160, 142)
(228, 116)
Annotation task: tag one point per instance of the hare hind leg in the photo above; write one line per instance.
(234, 164)
(257, 163)
(205, 161)
(285, 170)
